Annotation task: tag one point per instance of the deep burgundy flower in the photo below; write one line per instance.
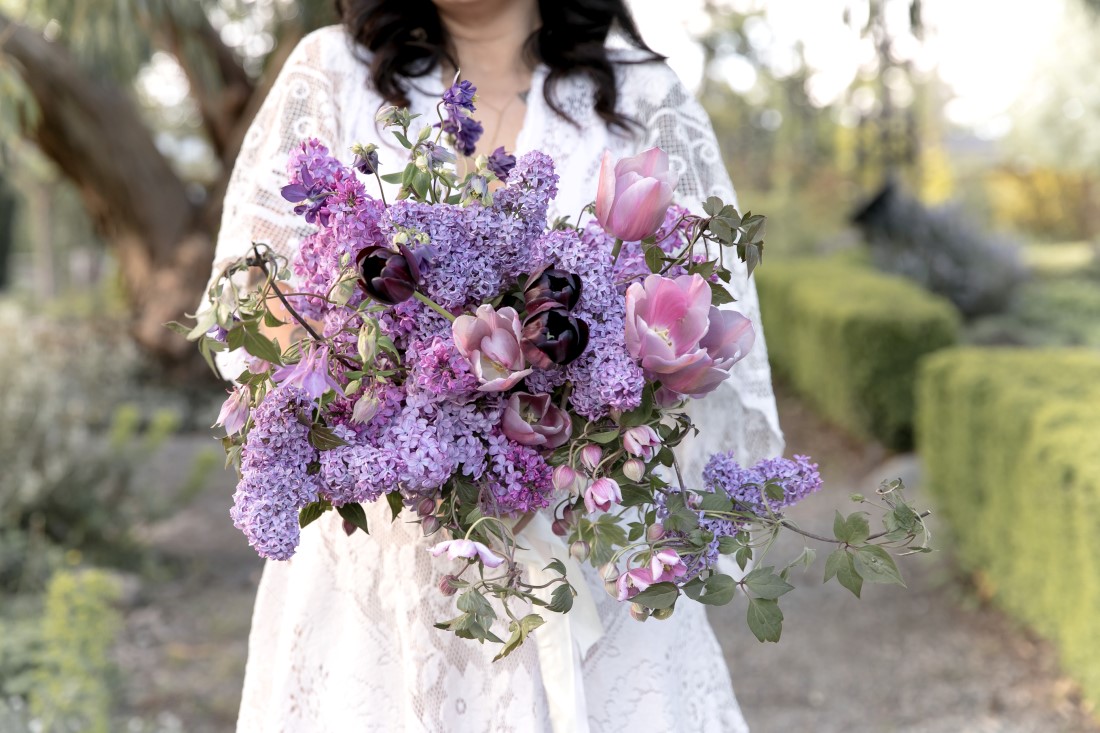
(552, 288)
(553, 337)
(501, 163)
(387, 276)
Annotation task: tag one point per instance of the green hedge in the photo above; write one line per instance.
(1011, 445)
(849, 339)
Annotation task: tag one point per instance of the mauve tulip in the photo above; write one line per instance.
(551, 288)
(679, 338)
(553, 337)
(490, 341)
(632, 199)
(468, 549)
(602, 494)
(536, 421)
(387, 276)
(642, 441)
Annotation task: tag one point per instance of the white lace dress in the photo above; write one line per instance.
(342, 636)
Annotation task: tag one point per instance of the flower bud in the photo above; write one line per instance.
(568, 516)
(634, 469)
(429, 524)
(642, 441)
(662, 613)
(349, 528)
(655, 532)
(447, 586)
(368, 341)
(591, 455)
(639, 612)
(559, 528)
(580, 550)
(386, 116)
(610, 573)
(366, 407)
(564, 477)
(366, 158)
(426, 507)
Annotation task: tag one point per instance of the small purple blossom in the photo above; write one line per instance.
(311, 374)
(234, 412)
(501, 163)
(468, 549)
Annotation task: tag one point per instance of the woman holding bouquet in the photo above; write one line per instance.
(343, 635)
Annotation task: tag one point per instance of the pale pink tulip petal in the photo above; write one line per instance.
(605, 192)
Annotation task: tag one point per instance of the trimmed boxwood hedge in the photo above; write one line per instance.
(1010, 440)
(849, 339)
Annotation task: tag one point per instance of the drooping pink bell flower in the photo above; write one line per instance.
(642, 441)
(564, 478)
(234, 412)
(633, 582)
(666, 566)
(469, 549)
(310, 374)
(602, 494)
(632, 198)
(490, 341)
(679, 338)
(536, 421)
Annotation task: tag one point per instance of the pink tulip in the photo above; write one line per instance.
(633, 582)
(490, 341)
(234, 412)
(642, 441)
(468, 549)
(602, 494)
(535, 421)
(679, 338)
(631, 201)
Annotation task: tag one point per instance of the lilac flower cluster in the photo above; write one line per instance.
(796, 478)
(276, 474)
(458, 103)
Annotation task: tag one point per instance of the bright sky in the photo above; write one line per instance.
(985, 50)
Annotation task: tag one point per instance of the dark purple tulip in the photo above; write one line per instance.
(501, 163)
(552, 289)
(553, 337)
(387, 276)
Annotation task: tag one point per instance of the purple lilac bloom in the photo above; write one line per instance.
(440, 374)
(520, 479)
(276, 479)
(604, 377)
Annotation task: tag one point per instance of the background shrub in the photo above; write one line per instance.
(1008, 439)
(848, 339)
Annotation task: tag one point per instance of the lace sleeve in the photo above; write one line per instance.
(741, 416)
(300, 105)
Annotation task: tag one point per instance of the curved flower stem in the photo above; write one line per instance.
(615, 250)
(832, 540)
(434, 306)
(381, 190)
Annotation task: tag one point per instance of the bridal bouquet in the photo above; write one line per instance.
(475, 366)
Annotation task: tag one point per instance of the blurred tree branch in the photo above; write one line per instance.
(161, 233)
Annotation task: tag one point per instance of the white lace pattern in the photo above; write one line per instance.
(342, 635)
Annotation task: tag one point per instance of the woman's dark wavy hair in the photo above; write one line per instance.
(406, 39)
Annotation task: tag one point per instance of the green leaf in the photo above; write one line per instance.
(719, 590)
(203, 322)
(604, 436)
(561, 600)
(654, 258)
(473, 602)
(774, 491)
(852, 530)
(765, 619)
(322, 438)
(634, 495)
(394, 177)
(764, 583)
(353, 512)
(712, 206)
(520, 631)
(402, 139)
(312, 512)
(658, 595)
(641, 414)
(744, 554)
(680, 518)
(693, 588)
(396, 503)
(875, 565)
(728, 545)
(556, 565)
(722, 230)
(839, 564)
(715, 503)
(261, 346)
(719, 295)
